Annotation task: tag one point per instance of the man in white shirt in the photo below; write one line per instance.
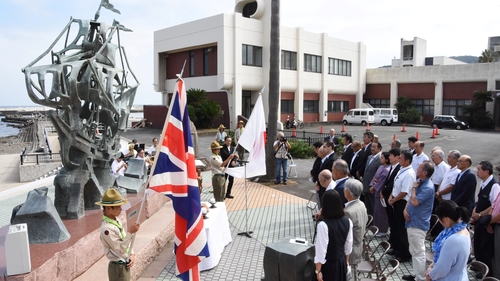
(449, 178)
(237, 135)
(152, 149)
(118, 167)
(403, 184)
(440, 167)
(419, 155)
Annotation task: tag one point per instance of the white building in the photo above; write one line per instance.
(228, 56)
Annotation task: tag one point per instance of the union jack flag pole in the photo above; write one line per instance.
(174, 174)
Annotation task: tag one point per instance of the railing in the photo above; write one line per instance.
(39, 157)
(308, 137)
(46, 135)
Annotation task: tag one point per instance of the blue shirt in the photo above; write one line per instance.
(452, 262)
(420, 216)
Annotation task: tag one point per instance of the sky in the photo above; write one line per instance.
(451, 28)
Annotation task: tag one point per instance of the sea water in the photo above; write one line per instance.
(5, 130)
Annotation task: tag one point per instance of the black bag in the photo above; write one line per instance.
(289, 156)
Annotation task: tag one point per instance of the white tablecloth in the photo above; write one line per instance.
(218, 235)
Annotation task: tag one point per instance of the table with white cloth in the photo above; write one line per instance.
(218, 235)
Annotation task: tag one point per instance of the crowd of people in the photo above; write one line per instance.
(401, 188)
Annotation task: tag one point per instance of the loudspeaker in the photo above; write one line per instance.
(17, 250)
(288, 261)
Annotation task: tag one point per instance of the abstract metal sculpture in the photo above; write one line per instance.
(89, 87)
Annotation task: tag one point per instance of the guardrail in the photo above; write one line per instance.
(38, 158)
(308, 137)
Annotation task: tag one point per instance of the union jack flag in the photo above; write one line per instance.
(174, 175)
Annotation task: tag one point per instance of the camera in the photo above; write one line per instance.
(283, 139)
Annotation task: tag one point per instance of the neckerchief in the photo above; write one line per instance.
(447, 232)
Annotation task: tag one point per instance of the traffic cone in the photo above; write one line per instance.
(367, 127)
(404, 128)
(321, 129)
(394, 137)
(437, 130)
(433, 134)
(416, 135)
(343, 129)
(294, 133)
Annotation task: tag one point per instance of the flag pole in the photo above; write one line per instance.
(179, 76)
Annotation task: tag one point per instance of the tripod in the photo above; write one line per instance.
(246, 232)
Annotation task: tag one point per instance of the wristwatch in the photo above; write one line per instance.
(479, 214)
(317, 271)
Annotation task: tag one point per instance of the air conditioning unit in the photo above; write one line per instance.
(17, 250)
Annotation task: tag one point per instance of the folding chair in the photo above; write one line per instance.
(490, 279)
(292, 166)
(369, 221)
(479, 266)
(386, 272)
(429, 255)
(310, 204)
(372, 265)
(370, 233)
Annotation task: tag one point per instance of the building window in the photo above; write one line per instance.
(454, 107)
(252, 55)
(378, 103)
(311, 106)
(408, 52)
(191, 63)
(339, 67)
(288, 60)
(205, 61)
(338, 106)
(312, 63)
(287, 106)
(425, 107)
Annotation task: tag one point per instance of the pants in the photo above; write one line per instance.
(218, 183)
(392, 222)
(379, 214)
(416, 238)
(281, 164)
(483, 251)
(229, 184)
(369, 202)
(118, 272)
(401, 243)
(496, 258)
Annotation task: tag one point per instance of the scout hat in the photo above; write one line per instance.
(221, 126)
(112, 198)
(215, 145)
(241, 122)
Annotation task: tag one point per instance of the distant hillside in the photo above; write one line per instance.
(466, 59)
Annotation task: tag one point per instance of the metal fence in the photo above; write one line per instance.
(308, 137)
(39, 158)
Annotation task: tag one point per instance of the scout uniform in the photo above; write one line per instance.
(218, 180)
(115, 239)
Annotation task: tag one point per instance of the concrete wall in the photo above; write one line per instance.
(31, 172)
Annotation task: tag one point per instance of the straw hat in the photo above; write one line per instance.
(215, 145)
(112, 198)
(241, 122)
(221, 126)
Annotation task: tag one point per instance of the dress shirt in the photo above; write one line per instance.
(346, 146)
(439, 171)
(353, 158)
(331, 185)
(449, 178)
(373, 157)
(494, 189)
(326, 157)
(404, 182)
(417, 160)
(496, 207)
(322, 242)
(461, 174)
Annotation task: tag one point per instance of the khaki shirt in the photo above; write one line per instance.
(112, 241)
(216, 162)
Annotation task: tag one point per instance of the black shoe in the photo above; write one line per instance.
(401, 260)
(284, 183)
(408, 277)
(276, 182)
(392, 252)
(229, 196)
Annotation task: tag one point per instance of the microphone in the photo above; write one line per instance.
(242, 161)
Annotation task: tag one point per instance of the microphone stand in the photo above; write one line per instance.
(246, 233)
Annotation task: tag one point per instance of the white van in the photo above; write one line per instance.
(385, 116)
(361, 116)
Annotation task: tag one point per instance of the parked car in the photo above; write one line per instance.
(385, 116)
(448, 121)
(361, 116)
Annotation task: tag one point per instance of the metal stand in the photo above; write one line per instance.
(246, 233)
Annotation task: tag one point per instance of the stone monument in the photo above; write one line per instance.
(91, 88)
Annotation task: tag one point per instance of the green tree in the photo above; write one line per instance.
(476, 113)
(407, 111)
(485, 57)
(202, 111)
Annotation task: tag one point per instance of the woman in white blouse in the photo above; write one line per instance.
(334, 240)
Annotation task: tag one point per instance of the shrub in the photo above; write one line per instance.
(300, 149)
(202, 111)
